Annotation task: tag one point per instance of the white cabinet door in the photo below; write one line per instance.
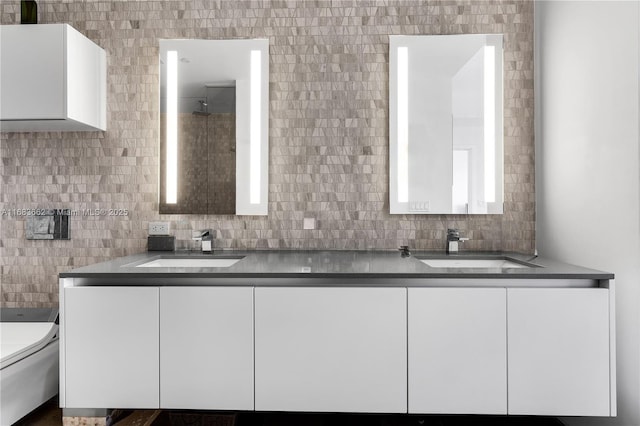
(457, 350)
(558, 349)
(32, 78)
(111, 347)
(206, 347)
(51, 78)
(331, 349)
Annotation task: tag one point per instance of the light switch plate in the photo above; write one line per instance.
(309, 223)
(158, 228)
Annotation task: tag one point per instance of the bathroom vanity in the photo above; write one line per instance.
(339, 331)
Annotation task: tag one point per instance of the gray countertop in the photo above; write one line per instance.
(282, 264)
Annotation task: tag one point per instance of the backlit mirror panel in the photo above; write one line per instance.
(214, 126)
(445, 124)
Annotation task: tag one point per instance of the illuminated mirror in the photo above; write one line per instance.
(446, 124)
(214, 111)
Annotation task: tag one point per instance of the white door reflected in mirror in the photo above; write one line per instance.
(445, 124)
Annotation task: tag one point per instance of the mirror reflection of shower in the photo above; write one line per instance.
(218, 98)
(222, 157)
(202, 112)
(207, 149)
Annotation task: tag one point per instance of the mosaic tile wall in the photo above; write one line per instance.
(328, 133)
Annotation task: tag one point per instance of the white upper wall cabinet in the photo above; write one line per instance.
(52, 78)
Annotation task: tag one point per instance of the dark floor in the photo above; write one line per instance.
(291, 419)
(50, 415)
(47, 415)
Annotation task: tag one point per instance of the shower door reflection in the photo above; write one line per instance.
(207, 161)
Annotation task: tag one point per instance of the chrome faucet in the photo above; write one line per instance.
(206, 237)
(453, 240)
(404, 251)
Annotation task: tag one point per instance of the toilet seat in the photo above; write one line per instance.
(21, 339)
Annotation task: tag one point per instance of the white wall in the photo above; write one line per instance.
(588, 160)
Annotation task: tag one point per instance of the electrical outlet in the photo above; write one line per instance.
(420, 206)
(158, 228)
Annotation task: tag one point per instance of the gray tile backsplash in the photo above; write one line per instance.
(328, 134)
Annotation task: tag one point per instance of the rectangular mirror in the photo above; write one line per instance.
(214, 118)
(446, 124)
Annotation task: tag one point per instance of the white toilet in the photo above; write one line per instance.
(29, 370)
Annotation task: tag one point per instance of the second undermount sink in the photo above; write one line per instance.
(493, 262)
(192, 262)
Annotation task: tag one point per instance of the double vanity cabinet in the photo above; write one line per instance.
(339, 332)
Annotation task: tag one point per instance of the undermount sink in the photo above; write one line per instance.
(192, 262)
(494, 262)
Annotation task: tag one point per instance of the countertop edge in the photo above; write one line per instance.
(265, 265)
(337, 276)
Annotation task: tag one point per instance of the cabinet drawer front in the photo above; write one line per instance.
(206, 342)
(331, 349)
(457, 350)
(111, 339)
(558, 348)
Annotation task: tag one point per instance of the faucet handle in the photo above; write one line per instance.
(404, 251)
(199, 235)
(453, 234)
